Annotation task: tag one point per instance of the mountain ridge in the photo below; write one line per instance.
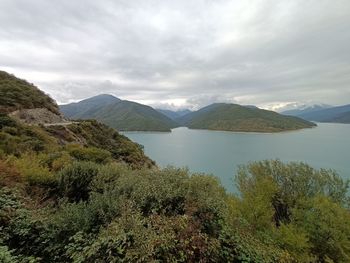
(120, 114)
(337, 114)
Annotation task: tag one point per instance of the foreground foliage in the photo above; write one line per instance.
(93, 212)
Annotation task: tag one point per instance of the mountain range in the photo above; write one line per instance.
(338, 114)
(131, 116)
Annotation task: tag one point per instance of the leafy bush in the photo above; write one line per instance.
(6, 121)
(92, 154)
(304, 210)
(327, 226)
(75, 179)
(5, 255)
(32, 169)
(9, 175)
(108, 176)
(20, 232)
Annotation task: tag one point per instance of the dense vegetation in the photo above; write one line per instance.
(86, 138)
(339, 114)
(120, 114)
(18, 94)
(233, 117)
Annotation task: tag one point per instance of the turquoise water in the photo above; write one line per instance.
(219, 153)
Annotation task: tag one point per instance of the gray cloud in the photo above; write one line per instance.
(181, 53)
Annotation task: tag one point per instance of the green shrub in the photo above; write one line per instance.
(92, 154)
(75, 179)
(327, 226)
(20, 233)
(6, 121)
(155, 191)
(32, 169)
(305, 211)
(108, 176)
(5, 255)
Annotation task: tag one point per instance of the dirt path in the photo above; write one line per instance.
(58, 124)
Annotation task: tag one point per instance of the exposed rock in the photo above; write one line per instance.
(38, 116)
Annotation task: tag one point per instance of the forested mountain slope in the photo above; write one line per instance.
(233, 117)
(120, 114)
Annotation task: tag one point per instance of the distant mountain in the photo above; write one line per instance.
(339, 114)
(305, 109)
(341, 118)
(174, 114)
(335, 114)
(233, 117)
(120, 114)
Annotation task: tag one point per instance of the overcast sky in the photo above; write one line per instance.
(181, 53)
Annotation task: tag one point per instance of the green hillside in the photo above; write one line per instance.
(18, 94)
(233, 117)
(120, 114)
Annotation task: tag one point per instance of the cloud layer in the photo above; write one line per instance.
(181, 53)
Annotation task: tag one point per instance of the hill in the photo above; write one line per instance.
(339, 114)
(17, 94)
(120, 114)
(233, 117)
(174, 114)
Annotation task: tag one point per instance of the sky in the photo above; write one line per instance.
(181, 54)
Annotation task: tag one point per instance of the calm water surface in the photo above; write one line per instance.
(219, 153)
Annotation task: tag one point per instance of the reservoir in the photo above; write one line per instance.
(220, 153)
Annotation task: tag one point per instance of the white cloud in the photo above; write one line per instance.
(181, 53)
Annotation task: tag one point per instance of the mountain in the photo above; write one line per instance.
(174, 114)
(18, 94)
(84, 108)
(120, 114)
(305, 109)
(339, 114)
(233, 117)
